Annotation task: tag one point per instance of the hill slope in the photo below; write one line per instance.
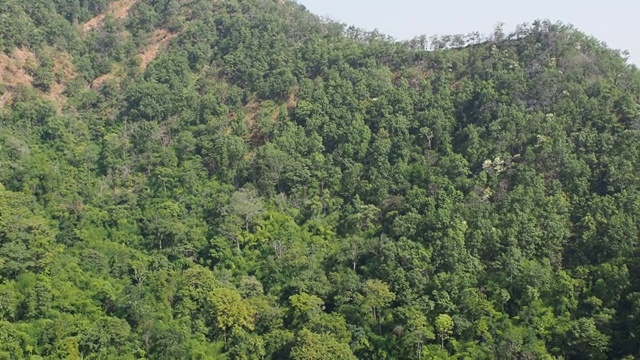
(241, 179)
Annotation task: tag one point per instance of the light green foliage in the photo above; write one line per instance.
(444, 327)
(310, 346)
(230, 311)
(306, 306)
(417, 331)
(377, 295)
(27, 238)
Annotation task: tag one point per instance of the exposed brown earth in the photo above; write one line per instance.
(13, 72)
(118, 10)
(13, 67)
(160, 39)
(100, 80)
(64, 72)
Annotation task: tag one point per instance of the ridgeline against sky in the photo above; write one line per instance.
(614, 21)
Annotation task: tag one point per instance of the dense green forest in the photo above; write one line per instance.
(241, 179)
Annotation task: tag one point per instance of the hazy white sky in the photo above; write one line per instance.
(615, 22)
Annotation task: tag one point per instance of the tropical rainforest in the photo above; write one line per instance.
(242, 179)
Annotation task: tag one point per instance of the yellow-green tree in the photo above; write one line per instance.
(310, 346)
(230, 311)
(444, 327)
(377, 295)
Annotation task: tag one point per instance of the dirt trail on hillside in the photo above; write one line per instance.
(159, 39)
(118, 10)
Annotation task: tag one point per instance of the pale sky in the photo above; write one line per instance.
(616, 22)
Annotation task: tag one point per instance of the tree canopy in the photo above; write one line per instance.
(242, 179)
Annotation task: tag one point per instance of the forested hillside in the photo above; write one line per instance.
(241, 179)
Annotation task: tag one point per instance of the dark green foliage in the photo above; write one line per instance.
(270, 184)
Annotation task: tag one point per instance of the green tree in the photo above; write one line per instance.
(444, 327)
(230, 312)
(377, 296)
(310, 346)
